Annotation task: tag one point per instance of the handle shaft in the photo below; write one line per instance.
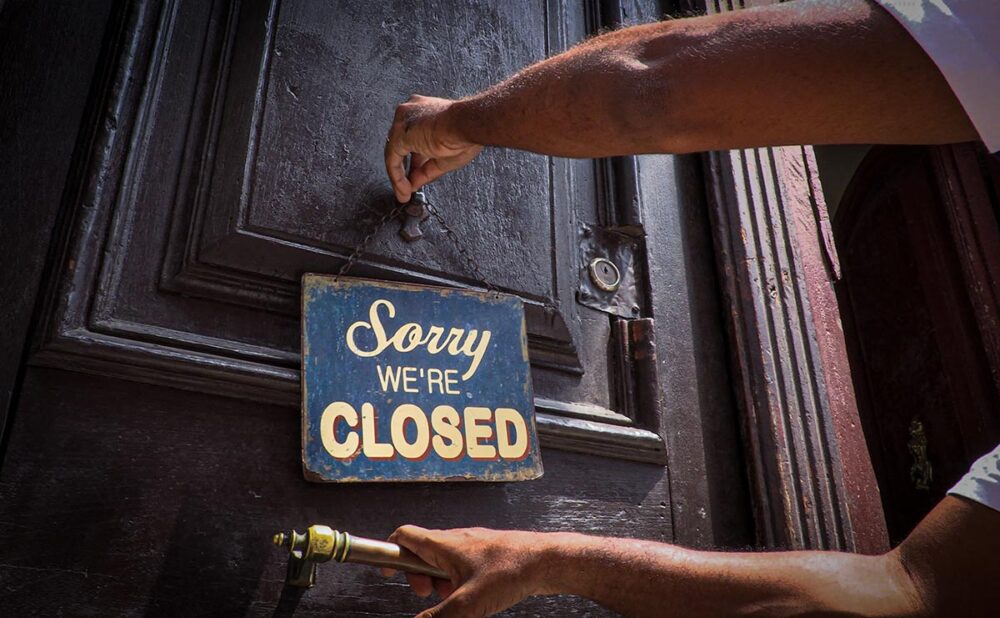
(391, 555)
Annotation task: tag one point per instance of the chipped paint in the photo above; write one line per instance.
(350, 372)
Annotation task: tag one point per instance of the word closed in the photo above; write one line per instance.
(404, 382)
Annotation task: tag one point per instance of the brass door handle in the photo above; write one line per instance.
(322, 544)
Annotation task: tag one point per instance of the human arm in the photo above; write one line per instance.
(948, 565)
(804, 72)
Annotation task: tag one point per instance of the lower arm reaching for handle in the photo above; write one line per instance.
(947, 566)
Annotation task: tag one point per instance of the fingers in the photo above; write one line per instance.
(397, 147)
(417, 160)
(417, 163)
(421, 542)
(427, 171)
(421, 585)
(430, 170)
(444, 587)
(418, 130)
(458, 605)
(395, 157)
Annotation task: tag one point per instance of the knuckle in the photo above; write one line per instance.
(400, 531)
(410, 533)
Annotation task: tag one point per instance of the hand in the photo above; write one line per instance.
(421, 129)
(490, 569)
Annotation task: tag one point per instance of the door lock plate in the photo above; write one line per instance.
(608, 271)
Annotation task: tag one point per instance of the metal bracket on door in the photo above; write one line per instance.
(416, 213)
(608, 271)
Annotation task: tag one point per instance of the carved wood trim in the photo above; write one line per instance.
(811, 475)
(202, 245)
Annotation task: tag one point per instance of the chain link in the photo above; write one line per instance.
(470, 262)
(362, 246)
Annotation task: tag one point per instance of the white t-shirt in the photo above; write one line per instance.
(982, 482)
(962, 37)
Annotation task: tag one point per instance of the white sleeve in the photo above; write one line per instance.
(962, 37)
(982, 482)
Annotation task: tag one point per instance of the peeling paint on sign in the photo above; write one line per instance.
(406, 382)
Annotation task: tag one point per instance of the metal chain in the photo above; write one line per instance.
(470, 262)
(362, 246)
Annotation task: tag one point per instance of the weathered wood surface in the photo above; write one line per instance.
(156, 500)
(148, 500)
(812, 480)
(42, 104)
(238, 147)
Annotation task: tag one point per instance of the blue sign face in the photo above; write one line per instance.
(414, 383)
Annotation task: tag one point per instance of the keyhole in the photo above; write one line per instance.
(604, 274)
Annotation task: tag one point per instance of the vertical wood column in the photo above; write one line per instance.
(811, 475)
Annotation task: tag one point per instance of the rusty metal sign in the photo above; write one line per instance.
(407, 382)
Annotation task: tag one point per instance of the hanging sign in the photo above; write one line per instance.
(414, 383)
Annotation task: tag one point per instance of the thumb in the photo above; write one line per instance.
(410, 536)
(419, 541)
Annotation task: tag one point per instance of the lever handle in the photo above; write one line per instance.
(321, 544)
(384, 554)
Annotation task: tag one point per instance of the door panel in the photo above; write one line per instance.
(241, 147)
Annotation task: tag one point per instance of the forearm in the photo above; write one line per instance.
(802, 72)
(593, 100)
(947, 566)
(641, 578)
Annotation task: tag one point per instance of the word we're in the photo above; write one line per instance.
(406, 379)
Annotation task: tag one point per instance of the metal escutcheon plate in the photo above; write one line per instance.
(605, 274)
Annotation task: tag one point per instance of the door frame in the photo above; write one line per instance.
(45, 108)
(812, 482)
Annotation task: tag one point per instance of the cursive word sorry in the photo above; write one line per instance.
(410, 336)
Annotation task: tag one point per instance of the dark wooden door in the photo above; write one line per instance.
(232, 146)
(920, 247)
